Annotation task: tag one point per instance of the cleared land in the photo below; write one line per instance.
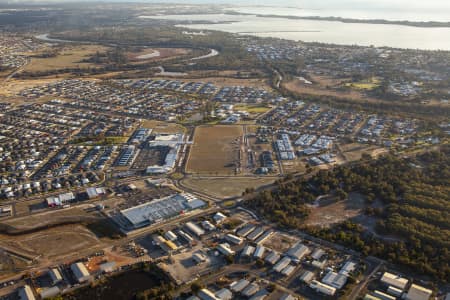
(354, 151)
(226, 187)
(52, 243)
(329, 211)
(216, 150)
(69, 57)
(156, 53)
(163, 127)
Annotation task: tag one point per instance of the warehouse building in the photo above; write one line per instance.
(80, 272)
(55, 275)
(417, 292)
(298, 251)
(335, 280)
(233, 239)
(25, 293)
(394, 280)
(195, 229)
(206, 294)
(161, 209)
(322, 288)
(225, 249)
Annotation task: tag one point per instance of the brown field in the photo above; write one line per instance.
(298, 86)
(163, 53)
(226, 187)
(354, 151)
(215, 150)
(51, 216)
(329, 211)
(14, 86)
(163, 127)
(53, 242)
(69, 57)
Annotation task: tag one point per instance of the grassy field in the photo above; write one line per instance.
(367, 85)
(226, 187)
(69, 57)
(252, 109)
(215, 150)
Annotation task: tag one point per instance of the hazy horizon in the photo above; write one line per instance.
(415, 10)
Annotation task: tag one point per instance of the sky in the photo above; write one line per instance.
(440, 7)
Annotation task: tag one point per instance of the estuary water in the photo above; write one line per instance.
(333, 32)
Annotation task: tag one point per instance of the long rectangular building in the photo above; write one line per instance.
(161, 209)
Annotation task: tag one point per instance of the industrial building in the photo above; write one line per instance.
(283, 263)
(206, 294)
(195, 229)
(307, 277)
(233, 239)
(161, 209)
(322, 288)
(298, 251)
(224, 294)
(245, 230)
(335, 280)
(259, 251)
(417, 292)
(248, 251)
(272, 257)
(55, 275)
(25, 293)
(225, 249)
(239, 286)
(255, 233)
(80, 272)
(219, 218)
(394, 280)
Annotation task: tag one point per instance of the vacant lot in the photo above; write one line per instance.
(69, 57)
(354, 151)
(163, 127)
(226, 187)
(216, 150)
(52, 243)
(328, 211)
(156, 53)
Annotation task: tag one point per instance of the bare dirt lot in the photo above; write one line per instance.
(226, 187)
(156, 53)
(53, 242)
(354, 151)
(216, 150)
(163, 127)
(329, 212)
